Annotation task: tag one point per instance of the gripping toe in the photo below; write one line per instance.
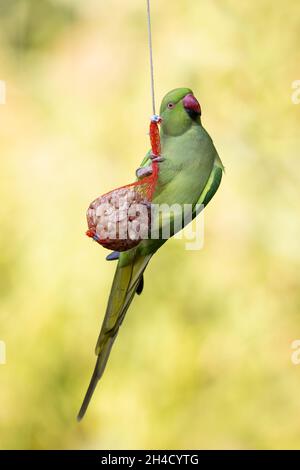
(113, 256)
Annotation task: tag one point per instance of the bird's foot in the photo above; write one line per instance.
(156, 158)
(113, 256)
(147, 170)
(143, 171)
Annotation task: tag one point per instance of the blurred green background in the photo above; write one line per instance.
(203, 359)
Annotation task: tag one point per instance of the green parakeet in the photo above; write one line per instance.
(190, 172)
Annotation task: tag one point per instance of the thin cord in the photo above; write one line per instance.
(151, 56)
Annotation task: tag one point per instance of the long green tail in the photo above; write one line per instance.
(125, 284)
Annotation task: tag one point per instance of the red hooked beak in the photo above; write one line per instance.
(192, 106)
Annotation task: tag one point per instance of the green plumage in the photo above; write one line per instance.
(190, 174)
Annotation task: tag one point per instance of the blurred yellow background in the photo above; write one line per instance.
(203, 359)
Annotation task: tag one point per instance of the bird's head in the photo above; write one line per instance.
(179, 110)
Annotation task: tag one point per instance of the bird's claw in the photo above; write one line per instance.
(114, 255)
(156, 158)
(143, 171)
(147, 170)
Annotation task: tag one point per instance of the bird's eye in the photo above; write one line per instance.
(171, 105)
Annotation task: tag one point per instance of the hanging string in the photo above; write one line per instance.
(151, 56)
(155, 119)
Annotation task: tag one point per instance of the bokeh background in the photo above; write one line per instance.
(203, 359)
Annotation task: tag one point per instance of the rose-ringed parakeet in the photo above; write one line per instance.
(190, 172)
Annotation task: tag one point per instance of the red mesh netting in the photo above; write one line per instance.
(120, 219)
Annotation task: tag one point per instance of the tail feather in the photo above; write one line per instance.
(126, 281)
(97, 374)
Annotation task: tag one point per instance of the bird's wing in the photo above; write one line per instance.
(213, 182)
